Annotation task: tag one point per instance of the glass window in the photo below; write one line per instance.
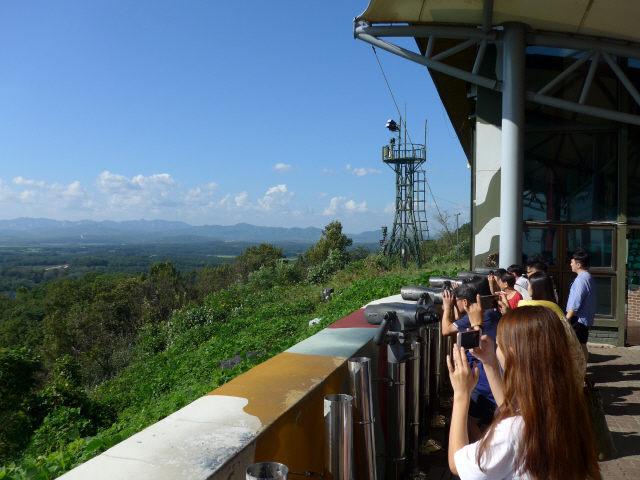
(597, 242)
(604, 292)
(541, 243)
(633, 178)
(571, 176)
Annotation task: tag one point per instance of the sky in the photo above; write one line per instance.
(210, 112)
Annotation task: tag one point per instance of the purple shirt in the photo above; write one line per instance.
(583, 299)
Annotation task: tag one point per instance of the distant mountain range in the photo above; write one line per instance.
(23, 230)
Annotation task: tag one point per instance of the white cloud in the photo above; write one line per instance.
(27, 196)
(202, 195)
(225, 200)
(334, 205)
(281, 167)
(23, 182)
(275, 198)
(352, 206)
(339, 205)
(322, 195)
(119, 184)
(138, 195)
(242, 201)
(48, 197)
(6, 192)
(361, 172)
(348, 166)
(327, 171)
(390, 208)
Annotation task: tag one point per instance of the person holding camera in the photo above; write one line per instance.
(464, 299)
(536, 434)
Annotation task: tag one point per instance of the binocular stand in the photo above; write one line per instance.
(403, 328)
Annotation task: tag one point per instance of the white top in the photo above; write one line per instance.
(522, 291)
(503, 449)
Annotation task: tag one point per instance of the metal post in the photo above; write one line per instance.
(424, 382)
(512, 168)
(397, 416)
(413, 427)
(437, 420)
(338, 437)
(427, 445)
(364, 437)
(458, 236)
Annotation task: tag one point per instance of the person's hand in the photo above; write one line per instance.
(486, 352)
(503, 304)
(475, 312)
(492, 282)
(447, 299)
(463, 379)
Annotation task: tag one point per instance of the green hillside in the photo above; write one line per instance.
(88, 362)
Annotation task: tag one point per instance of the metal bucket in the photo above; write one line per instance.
(267, 471)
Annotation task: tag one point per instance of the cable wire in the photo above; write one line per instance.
(389, 87)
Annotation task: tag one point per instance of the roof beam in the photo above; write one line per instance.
(427, 62)
(487, 16)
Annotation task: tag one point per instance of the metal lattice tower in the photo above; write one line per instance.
(409, 227)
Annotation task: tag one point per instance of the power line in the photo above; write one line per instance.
(394, 98)
(453, 203)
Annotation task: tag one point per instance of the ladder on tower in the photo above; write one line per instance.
(420, 204)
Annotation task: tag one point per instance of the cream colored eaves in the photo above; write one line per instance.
(616, 19)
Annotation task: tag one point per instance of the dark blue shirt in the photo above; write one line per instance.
(490, 327)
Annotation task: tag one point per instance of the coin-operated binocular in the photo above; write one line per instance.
(400, 329)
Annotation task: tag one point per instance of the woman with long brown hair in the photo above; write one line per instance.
(541, 429)
(543, 295)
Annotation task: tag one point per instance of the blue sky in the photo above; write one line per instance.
(268, 113)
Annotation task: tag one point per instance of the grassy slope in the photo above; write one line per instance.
(239, 320)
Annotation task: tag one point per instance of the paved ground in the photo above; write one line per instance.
(616, 372)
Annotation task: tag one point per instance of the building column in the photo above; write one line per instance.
(512, 166)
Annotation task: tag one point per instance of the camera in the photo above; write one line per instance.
(470, 339)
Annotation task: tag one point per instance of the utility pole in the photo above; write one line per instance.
(457, 236)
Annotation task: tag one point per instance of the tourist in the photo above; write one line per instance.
(462, 297)
(581, 306)
(506, 283)
(522, 284)
(542, 294)
(541, 429)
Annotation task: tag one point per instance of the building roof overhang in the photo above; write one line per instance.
(613, 21)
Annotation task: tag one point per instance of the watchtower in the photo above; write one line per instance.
(409, 223)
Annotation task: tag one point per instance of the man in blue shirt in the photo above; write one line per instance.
(581, 307)
(482, 401)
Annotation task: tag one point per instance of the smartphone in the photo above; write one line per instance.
(488, 302)
(470, 339)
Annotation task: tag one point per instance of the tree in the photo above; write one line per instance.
(332, 239)
(19, 405)
(264, 255)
